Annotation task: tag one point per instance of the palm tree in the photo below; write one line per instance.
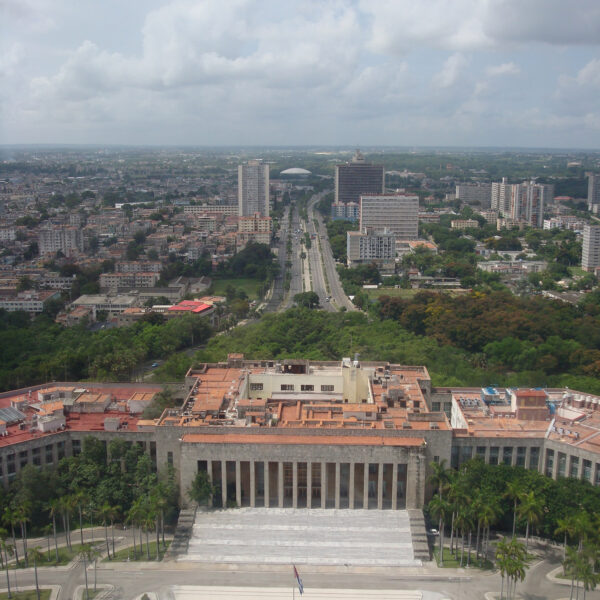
(11, 518)
(490, 513)
(458, 498)
(80, 499)
(531, 509)
(54, 509)
(514, 491)
(115, 512)
(567, 527)
(85, 554)
(105, 512)
(440, 476)
(37, 555)
(511, 558)
(8, 550)
(571, 567)
(440, 508)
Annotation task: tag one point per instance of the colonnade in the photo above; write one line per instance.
(316, 484)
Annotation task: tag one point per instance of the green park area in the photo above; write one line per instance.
(26, 595)
(251, 287)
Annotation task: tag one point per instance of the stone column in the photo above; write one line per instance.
(224, 482)
(280, 484)
(337, 485)
(394, 486)
(294, 484)
(351, 487)
(380, 486)
(411, 480)
(486, 457)
(366, 486)
(252, 484)
(267, 491)
(323, 485)
(209, 473)
(308, 485)
(527, 456)
(55, 454)
(555, 465)
(238, 483)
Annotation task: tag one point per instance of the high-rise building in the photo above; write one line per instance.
(68, 240)
(590, 251)
(527, 202)
(593, 192)
(475, 193)
(501, 197)
(394, 213)
(357, 177)
(379, 248)
(253, 189)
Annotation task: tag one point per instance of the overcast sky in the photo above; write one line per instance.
(285, 72)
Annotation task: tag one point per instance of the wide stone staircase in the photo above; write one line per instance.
(183, 532)
(419, 534)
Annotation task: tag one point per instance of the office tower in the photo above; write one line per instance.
(527, 202)
(357, 177)
(593, 192)
(394, 213)
(253, 189)
(501, 197)
(590, 251)
(475, 193)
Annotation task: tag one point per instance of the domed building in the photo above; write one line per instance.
(296, 172)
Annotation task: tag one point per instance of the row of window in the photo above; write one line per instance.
(570, 467)
(22, 458)
(497, 455)
(290, 387)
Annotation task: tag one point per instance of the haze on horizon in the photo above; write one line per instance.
(264, 73)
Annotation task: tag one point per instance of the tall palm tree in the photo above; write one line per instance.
(105, 512)
(115, 513)
(54, 509)
(571, 565)
(440, 508)
(531, 509)
(11, 518)
(514, 491)
(80, 499)
(8, 550)
(567, 527)
(84, 554)
(458, 498)
(440, 476)
(23, 511)
(37, 555)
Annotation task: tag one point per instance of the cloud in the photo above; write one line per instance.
(452, 69)
(462, 25)
(509, 68)
(589, 75)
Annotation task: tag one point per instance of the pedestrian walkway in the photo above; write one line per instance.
(260, 593)
(303, 536)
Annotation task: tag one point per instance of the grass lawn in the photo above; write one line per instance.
(250, 286)
(27, 595)
(392, 292)
(577, 271)
(127, 553)
(65, 556)
(451, 562)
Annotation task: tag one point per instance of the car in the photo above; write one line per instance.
(433, 532)
(154, 365)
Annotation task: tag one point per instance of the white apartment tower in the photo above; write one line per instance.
(593, 192)
(253, 189)
(394, 213)
(590, 252)
(501, 197)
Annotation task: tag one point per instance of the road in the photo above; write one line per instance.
(326, 260)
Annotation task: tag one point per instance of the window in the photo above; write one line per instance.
(287, 387)
(534, 458)
(49, 455)
(466, 453)
(562, 464)
(10, 464)
(574, 470)
(23, 458)
(256, 387)
(435, 406)
(327, 388)
(480, 452)
(436, 459)
(587, 470)
(507, 456)
(494, 451)
(76, 447)
(521, 451)
(60, 446)
(549, 462)
(36, 456)
(307, 387)
(170, 458)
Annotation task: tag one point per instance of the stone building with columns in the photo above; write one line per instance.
(298, 433)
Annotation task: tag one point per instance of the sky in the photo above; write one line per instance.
(513, 73)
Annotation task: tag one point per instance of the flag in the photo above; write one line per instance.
(297, 576)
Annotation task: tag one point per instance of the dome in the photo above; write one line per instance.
(295, 171)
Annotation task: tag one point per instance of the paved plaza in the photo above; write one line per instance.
(303, 536)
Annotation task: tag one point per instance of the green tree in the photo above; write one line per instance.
(201, 488)
(514, 491)
(531, 509)
(37, 555)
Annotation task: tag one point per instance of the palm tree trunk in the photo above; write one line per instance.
(37, 587)
(157, 537)
(502, 588)
(55, 539)
(69, 531)
(112, 530)
(134, 546)
(441, 547)
(572, 581)
(477, 540)
(469, 549)
(526, 536)
(462, 547)
(564, 551)
(162, 528)
(81, 524)
(147, 544)
(24, 540)
(7, 575)
(452, 534)
(106, 536)
(514, 518)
